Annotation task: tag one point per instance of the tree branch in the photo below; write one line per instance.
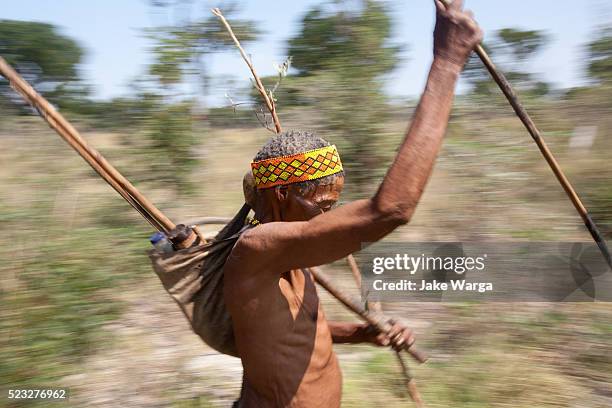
(258, 84)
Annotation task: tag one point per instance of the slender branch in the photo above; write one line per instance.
(411, 386)
(354, 270)
(258, 84)
(375, 307)
(282, 72)
(263, 119)
(376, 319)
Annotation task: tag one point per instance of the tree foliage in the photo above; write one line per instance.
(179, 49)
(43, 56)
(40, 49)
(171, 145)
(345, 38)
(521, 44)
(600, 56)
(513, 50)
(179, 59)
(342, 53)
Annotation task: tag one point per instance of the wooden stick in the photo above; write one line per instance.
(354, 270)
(262, 90)
(210, 221)
(58, 123)
(411, 387)
(377, 320)
(531, 127)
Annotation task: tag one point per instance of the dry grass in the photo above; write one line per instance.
(485, 186)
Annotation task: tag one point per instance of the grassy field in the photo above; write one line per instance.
(81, 307)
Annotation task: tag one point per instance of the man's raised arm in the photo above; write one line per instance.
(337, 233)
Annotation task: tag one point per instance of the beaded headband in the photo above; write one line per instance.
(310, 165)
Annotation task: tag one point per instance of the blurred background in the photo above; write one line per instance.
(158, 88)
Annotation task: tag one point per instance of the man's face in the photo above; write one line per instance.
(304, 205)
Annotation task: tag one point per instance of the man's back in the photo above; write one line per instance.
(283, 340)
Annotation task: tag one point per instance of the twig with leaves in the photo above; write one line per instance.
(261, 110)
(282, 70)
(258, 84)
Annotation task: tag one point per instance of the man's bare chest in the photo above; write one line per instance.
(299, 291)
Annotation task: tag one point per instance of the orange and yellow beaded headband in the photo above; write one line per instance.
(310, 165)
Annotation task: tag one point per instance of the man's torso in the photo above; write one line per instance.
(283, 340)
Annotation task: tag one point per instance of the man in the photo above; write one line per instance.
(280, 330)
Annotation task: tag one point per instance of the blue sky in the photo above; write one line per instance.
(111, 31)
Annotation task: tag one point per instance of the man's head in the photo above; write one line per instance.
(295, 200)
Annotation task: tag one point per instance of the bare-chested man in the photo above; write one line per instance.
(282, 335)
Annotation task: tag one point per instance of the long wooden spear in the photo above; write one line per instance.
(58, 123)
(531, 127)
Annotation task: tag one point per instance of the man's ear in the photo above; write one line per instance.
(281, 193)
(249, 189)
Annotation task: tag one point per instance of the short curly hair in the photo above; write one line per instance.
(293, 142)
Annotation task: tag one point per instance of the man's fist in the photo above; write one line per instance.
(399, 337)
(456, 33)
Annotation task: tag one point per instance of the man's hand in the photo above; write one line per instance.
(398, 337)
(456, 33)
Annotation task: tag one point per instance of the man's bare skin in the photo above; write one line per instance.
(282, 335)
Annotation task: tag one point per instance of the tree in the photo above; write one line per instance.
(342, 53)
(600, 56)
(357, 38)
(513, 50)
(521, 44)
(44, 56)
(179, 60)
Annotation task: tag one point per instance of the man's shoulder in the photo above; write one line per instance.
(245, 271)
(243, 258)
(262, 249)
(262, 241)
